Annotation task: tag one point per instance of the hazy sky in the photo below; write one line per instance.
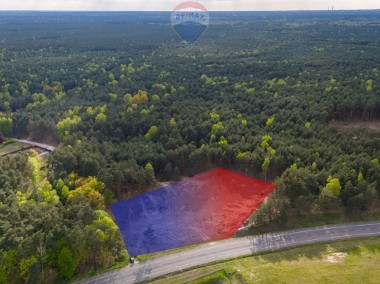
(168, 5)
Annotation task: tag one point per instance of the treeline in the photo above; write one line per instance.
(185, 109)
(127, 109)
(52, 232)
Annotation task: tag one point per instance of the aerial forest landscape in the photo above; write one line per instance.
(119, 139)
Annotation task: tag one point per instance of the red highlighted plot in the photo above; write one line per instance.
(210, 206)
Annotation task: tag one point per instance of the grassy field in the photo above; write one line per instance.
(312, 253)
(5, 149)
(353, 261)
(221, 276)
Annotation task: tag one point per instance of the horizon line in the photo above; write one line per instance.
(161, 11)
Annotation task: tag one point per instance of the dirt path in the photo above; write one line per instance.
(345, 125)
(47, 147)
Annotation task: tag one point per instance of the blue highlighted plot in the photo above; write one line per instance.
(208, 207)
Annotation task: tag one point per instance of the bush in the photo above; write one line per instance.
(9, 141)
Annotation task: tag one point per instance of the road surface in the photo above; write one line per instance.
(47, 147)
(215, 251)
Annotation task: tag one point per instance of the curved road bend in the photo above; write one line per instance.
(215, 251)
(41, 145)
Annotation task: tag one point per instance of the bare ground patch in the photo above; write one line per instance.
(346, 125)
(337, 257)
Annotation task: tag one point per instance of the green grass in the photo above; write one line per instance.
(145, 257)
(306, 264)
(5, 149)
(296, 221)
(44, 161)
(222, 276)
(217, 277)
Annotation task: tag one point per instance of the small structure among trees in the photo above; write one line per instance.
(2, 138)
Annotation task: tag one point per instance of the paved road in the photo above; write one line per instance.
(41, 145)
(206, 253)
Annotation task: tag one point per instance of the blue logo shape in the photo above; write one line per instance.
(190, 20)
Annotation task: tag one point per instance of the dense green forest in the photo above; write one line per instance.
(129, 104)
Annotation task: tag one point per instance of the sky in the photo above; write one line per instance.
(168, 5)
